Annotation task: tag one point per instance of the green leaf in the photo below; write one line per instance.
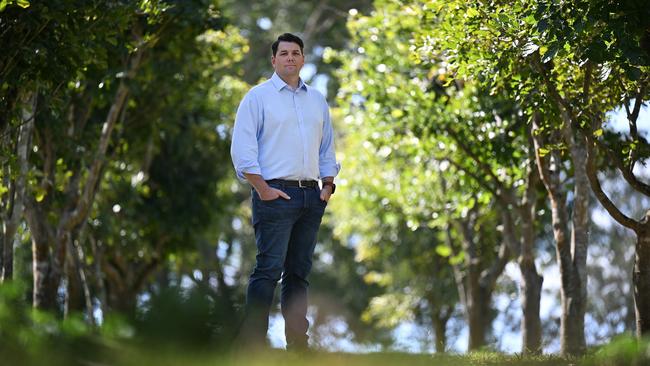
(598, 132)
(543, 152)
(550, 53)
(23, 3)
(443, 250)
(529, 20)
(40, 194)
(457, 259)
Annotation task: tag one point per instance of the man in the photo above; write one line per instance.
(282, 144)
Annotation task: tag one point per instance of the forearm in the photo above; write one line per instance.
(258, 182)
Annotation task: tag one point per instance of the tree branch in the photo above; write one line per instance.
(489, 276)
(627, 173)
(587, 83)
(565, 107)
(486, 169)
(474, 176)
(76, 216)
(592, 174)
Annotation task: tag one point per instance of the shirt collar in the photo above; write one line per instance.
(278, 83)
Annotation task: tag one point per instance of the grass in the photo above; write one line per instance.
(131, 356)
(624, 351)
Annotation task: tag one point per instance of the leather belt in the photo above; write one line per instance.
(295, 183)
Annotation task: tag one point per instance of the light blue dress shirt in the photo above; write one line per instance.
(282, 133)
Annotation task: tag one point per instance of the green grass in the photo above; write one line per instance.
(131, 356)
(621, 352)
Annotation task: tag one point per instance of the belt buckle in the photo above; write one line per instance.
(300, 184)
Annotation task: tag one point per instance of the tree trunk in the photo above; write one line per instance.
(74, 299)
(480, 280)
(642, 280)
(572, 338)
(439, 322)
(78, 297)
(531, 325)
(479, 309)
(46, 271)
(531, 281)
(17, 192)
(571, 252)
(125, 279)
(46, 280)
(574, 273)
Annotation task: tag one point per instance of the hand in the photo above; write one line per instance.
(325, 193)
(271, 193)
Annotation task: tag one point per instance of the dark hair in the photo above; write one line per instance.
(287, 37)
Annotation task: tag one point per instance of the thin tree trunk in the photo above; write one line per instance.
(46, 276)
(74, 297)
(531, 325)
(98, 259)
(572, 260)
(571, 251)
(480, 284)
(12, 219)
(479, 309)
(642, 279)
(531, 280)
(575, 271)
(439, 319)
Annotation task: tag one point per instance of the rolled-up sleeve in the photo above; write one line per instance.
(244, 147)
(327, 157)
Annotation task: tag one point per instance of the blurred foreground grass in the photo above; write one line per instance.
(181, 328)
(622, 352)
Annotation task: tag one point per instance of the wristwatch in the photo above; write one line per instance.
(331, 184)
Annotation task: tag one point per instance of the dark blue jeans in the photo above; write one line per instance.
(285, 234)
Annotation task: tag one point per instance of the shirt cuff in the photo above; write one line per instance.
(330, 171)
(254, 169)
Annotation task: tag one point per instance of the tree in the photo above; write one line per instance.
(93, 121)
(415, 100)
(608, 44)
(495, 59)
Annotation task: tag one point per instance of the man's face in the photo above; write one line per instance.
(288, 60)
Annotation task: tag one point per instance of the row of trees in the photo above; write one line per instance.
(117, 186)
(471, 134)
(470, 117)
(108, 144)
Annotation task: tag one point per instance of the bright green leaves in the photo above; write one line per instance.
(21, 3)
(443, 250)
(389, 310)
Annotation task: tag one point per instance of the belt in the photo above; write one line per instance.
(295, 183)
